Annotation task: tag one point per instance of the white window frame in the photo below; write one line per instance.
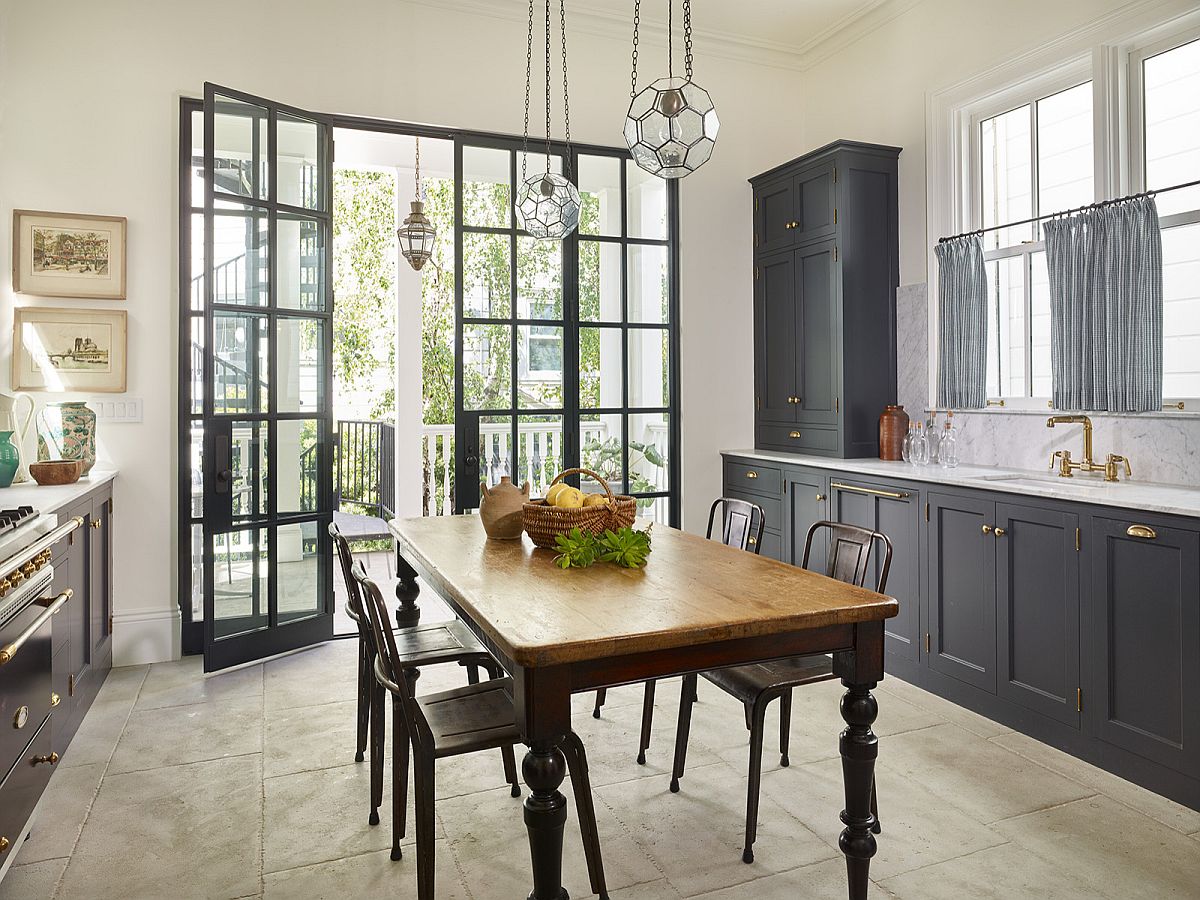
(1109, 52)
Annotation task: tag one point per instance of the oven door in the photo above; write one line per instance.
(25, 688)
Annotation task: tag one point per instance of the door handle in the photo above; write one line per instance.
(472, 461)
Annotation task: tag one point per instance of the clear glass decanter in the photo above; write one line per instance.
(949, 446)
(920, 447)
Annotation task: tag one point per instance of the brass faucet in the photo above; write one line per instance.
(1067, 466)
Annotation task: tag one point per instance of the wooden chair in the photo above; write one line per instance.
(742, 527)
(849, 560)
(421, 645)
(451, 723)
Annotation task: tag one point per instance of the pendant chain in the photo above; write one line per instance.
(687, 39)
(562, 26)
(670, 38)
(547, 85)
(417, 171)
(637, 14)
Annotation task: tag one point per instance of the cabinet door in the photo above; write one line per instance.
(894, 512)
(816, 215)
(74, 614)
(962, 589)
(1146, 593)
(100, 581)
(806, 500)
(1037, 610)
(774, 213)
(774, 338)
(818, 356)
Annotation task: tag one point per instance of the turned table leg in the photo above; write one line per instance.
(408, 613)
(859, 748)
(544, 768)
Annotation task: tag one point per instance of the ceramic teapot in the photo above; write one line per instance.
(12, 420)
(500, 509)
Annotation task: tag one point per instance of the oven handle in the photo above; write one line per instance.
(53, 605)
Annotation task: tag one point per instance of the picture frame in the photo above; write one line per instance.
(68, 350)
(68, 255)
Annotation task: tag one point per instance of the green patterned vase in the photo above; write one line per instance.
(10, 458)
(67, 431)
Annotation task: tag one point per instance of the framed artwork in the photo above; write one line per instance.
(68, 255)
(63, 350)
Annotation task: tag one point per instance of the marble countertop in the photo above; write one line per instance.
(1172, 499)
(51, 497)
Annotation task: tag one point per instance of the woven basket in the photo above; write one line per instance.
(543, 522)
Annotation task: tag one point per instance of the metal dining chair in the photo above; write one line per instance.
(451, 723)
(420, 645)
(849, 560)
(742, 527)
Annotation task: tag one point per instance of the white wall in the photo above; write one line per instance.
(89, 123)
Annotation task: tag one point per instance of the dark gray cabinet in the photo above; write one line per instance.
(962, 589)
(825, 276)
(1146, 636)
(1037, 609)
(806, 500)
(892, 510)
(763, 486)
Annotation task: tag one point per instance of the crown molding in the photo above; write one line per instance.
(604, 21)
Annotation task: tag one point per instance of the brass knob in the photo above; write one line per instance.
(4, 844)
(29, 569)
(794, 434)
(1000, 532)
(986, 529)
(54, 700)
(820, 498)
(50, 758)
(16, 577)
(95, 523)
(752, 541)
(21, 717)
(751, 474)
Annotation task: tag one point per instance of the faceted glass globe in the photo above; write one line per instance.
(671, 127)
(548, 206)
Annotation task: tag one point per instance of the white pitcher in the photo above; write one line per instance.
(11, 420)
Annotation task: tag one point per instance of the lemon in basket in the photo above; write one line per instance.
(571, 498)
(555, 490)
(595, 500)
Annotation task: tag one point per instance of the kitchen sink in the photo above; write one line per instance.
(1077, 482)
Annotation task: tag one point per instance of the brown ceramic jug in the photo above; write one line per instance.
(893, 426)
(500, 509)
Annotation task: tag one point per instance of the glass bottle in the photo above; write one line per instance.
(933, 438)
(920, 447)
(906, 447)
(949, 446)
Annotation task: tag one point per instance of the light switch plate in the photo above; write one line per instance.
(115, 412)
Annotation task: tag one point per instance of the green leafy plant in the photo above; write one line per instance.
(627, 548)
(576, 548)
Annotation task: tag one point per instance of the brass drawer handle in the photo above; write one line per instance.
(50, 758)
(891, 495)
(751, 474)
(1141, 531)
(986, 529)
(794, 434)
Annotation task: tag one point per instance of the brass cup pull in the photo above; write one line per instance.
(1000, 532)
(50, 758)
(1141, 531)
(751, 474)
(986, 529)
(794, 434)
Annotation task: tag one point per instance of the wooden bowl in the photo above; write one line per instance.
(56, 471)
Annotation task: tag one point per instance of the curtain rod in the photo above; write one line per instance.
(1068, 212)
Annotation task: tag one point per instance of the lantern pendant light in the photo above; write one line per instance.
(417, 234)
(671, 127)
(547, 204)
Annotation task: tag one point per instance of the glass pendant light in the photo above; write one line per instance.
(547, 204)
(671, 127)
(417, 234)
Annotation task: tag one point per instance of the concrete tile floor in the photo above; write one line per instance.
(243, 785)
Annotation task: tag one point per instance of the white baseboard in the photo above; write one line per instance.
(143, 636)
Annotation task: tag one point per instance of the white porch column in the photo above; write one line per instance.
(409, 398)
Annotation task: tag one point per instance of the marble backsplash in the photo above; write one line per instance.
(1162, 447)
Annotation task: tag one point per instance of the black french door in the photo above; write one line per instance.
(265, 423)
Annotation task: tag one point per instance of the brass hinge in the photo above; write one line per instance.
(70, 685)
(835, 215)
(112, 504)
(756, 203)
(926, 512)
(756, 273)
(835, 174)
(110, 623)
(1077, 541)
(835, 252)
(756, 239)
(757, 402)
(927, 643)
(71, 539)
(837, 404)
(1078, 699)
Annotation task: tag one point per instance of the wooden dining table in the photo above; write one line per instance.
(696, 605)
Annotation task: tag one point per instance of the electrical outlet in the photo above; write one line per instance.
(114, 412)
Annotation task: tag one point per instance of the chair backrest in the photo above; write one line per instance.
(387, 657)
(346, 559)
(741, 523)
(849, 554)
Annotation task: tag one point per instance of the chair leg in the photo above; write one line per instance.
(399, 776)
(785, 727)
(472, 673)
(378, 722)
(425, 786)
(510, 769)
(581, 784)
(757, 727)
(601, 696)
(366, 678)
(876, 828)
(687, 698)
(647, 722)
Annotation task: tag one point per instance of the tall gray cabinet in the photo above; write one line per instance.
(826, 267)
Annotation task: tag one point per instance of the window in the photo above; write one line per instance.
(1033, 159)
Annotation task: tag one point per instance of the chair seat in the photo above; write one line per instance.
(475, 717)
(437, 642)
(746, 683)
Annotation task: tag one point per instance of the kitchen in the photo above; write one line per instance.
(879, 220)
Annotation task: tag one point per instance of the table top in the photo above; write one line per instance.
(691, 591)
